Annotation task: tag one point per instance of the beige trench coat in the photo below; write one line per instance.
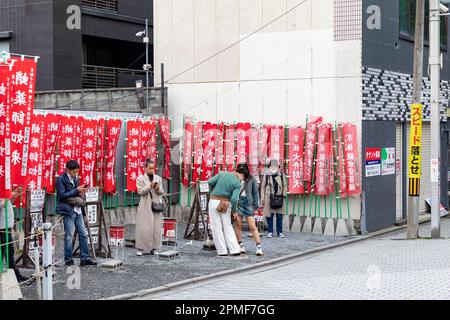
(265, 194)
(148, 224)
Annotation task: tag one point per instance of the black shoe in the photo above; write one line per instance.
(88, 262)
(69, 263)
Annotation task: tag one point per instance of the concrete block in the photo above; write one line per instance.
(351, 227)
(296, 225)
(329, 228)
(302, 222)
(286, 223)
(9, 287)
(341, 228)
(317, 226)
(307, 226)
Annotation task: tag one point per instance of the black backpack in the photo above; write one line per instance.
(276, 201)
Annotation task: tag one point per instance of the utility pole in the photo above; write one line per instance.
(435, 65)
(412, 230)
(147, 67)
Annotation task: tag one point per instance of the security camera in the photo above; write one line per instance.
(442, 8)
(140, 34)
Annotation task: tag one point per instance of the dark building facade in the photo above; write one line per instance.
(387, 59)
(81, 43)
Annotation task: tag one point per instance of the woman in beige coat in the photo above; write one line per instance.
(148, 223)
(273, 182)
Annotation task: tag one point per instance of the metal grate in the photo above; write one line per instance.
(108, 5)
(347, 20)
(104, 77)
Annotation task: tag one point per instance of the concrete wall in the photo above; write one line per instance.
(291, 68)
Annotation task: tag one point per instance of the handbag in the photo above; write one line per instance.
(157, 207)
(222, 207)
(276, 201)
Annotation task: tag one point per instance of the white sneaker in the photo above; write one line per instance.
(139, 253)
(242, 250)
(270, 235)
(155, 252)
(281, 235)
(259, 251)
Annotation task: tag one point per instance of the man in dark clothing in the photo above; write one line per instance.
(67, 187)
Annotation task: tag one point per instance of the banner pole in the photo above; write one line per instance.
(181, 148)
(312, 195)
(170, 163)
(7, 232)
(286, 156)
(125, 159)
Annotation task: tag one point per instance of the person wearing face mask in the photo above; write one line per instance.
(148, 220)
(68, 188)
(273, 193)
(225, 188)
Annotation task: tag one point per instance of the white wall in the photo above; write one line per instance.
(289, 69)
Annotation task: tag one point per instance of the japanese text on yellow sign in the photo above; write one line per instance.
(415, 142)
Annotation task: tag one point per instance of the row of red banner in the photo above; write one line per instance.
(17, 89)
(320, 158)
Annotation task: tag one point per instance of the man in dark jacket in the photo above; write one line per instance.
(67, 186)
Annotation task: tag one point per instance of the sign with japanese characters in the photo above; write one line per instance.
(415, 154)
(5, 131)
(52, 128)
(415, 150)
(113, 133)
(88, 154)
(209, 146)
(187, 153)
(37, 200)
(310, 146)
(387, 161)
(351, 157)
(92, 195)
(295, 165)
(373, 162)
(23, 79)
(198, 151)
(164, 126)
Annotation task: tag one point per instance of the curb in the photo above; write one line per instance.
(197, 280)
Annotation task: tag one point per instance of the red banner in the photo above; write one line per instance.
(219, 147)
(341, 164)
(164, 126)
(264, 147)
(36, 153)
(148, 144)
(310, 145)
(243, 131)
(23, 81)
(187, 153)
(67, 142)
(209, 146)
(5, 132)
(253, 160)
(323, 158)
(351, 155)
(133, 154)
(88, 155)
(52, 126)
(198, 152)
(113, 133)
(330, 165)
(229, 148)
(295, 165)
(100, 156)
(276, 144)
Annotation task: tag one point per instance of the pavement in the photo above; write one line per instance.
(386, 267)
(148, 271)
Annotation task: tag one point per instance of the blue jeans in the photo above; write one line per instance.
(279, 223)
(72, 222)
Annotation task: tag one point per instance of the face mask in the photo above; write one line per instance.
(151, 177)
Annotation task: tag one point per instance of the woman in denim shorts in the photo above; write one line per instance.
(247, 206)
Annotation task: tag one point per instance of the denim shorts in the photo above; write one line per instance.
(244, 208)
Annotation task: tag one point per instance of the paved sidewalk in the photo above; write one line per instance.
(146, 272)
(386, 267)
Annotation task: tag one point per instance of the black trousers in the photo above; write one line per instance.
(12, 264)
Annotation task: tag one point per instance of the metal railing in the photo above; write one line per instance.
(94, 77)
(108, 5)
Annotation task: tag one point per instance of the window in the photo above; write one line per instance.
(4, 45)
(408, 22)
